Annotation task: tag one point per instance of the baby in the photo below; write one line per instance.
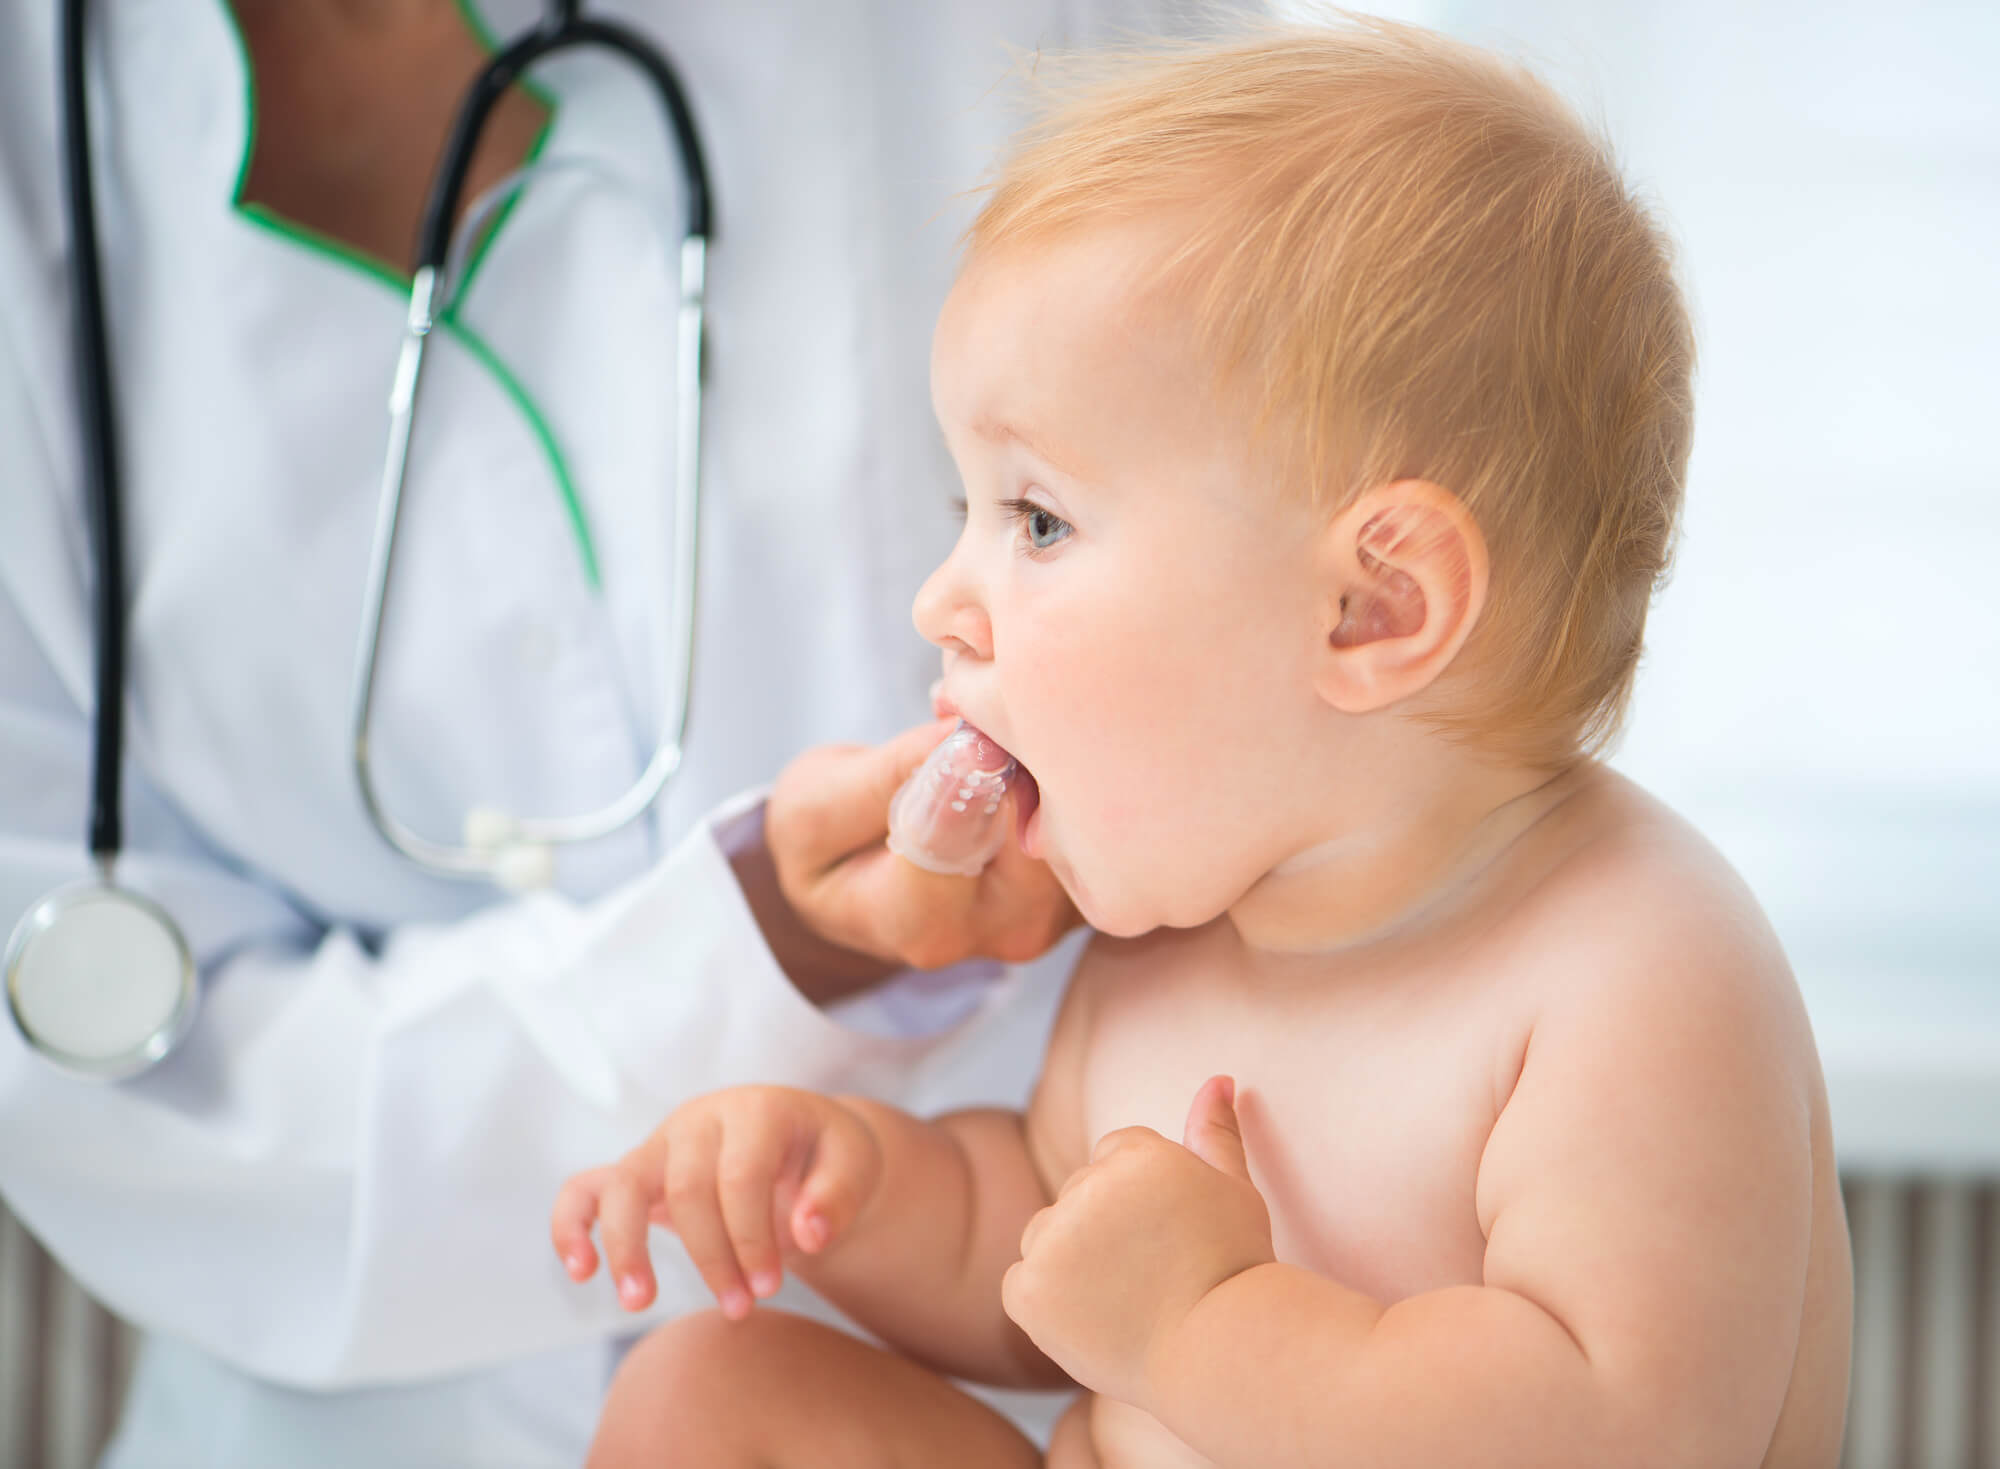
(1431, 1095)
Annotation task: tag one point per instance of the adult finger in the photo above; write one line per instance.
(1022, 910)
(921, 918)
(831, 802)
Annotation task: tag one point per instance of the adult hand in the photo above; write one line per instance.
(1134, 1241)
(825, 825)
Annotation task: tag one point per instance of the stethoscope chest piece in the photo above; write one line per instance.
(100, 981)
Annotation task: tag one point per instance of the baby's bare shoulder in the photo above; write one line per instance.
(1627, 893)
(1631, 933)
(1664, 1102)
(1651, 983)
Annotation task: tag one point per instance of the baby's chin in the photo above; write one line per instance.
(1118, 911)
(1113, 914)
(1110, 907)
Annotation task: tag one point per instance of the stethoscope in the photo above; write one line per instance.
(100, 979)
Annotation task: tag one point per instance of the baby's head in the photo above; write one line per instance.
(1319, 398)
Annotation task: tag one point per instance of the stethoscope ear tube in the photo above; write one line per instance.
(565, 30)
(98, 441)
(517, 851)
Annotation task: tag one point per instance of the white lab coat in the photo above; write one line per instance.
(342, 1180)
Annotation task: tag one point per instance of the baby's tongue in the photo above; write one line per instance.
(946, 816)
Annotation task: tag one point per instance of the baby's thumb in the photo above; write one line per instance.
(1213, 1133)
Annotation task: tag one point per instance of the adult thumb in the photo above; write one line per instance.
(1213, 1133)
(833, 801)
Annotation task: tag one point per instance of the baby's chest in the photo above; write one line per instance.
(1363, 1134)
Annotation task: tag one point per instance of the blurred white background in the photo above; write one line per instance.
(1821, 692)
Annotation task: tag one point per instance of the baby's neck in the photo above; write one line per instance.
(1398, 853)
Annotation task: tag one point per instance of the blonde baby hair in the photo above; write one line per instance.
(1410, 258)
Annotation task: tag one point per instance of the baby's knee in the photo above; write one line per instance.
(701, 1351)
(689, 1384)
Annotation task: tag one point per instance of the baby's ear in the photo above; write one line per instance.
(1405, 578)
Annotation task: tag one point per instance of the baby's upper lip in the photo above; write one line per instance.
(944, 706)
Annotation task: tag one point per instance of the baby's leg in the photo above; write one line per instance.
(776, 1391)
(1070, 1446)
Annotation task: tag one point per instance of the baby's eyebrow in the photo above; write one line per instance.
(1001, 430)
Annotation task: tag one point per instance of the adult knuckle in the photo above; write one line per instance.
(1021, 945)
(792, 833)
(930, 944)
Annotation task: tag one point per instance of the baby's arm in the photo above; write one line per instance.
(1646, 1200)
(907, 1225)
(922, 1269)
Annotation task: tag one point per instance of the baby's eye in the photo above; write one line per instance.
(1042, 526)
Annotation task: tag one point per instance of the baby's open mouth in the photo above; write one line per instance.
(947, 817)
(1020, 780)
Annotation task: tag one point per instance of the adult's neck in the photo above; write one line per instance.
(1389, 849)
(354, 100)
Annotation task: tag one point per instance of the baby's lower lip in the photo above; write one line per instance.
(1027, 801)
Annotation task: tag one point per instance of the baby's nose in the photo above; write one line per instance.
(947, 614)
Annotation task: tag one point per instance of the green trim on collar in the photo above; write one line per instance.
(396, 281)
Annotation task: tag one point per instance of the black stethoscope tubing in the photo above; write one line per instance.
(564, 28)
(99, 422)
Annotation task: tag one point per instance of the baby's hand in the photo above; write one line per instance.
(1134, 1240)
(743, 1176)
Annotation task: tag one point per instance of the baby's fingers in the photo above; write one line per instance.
(569, 1223)
(838, 1183)
(746, 1178)
(693, 1202)
(626, 1202)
